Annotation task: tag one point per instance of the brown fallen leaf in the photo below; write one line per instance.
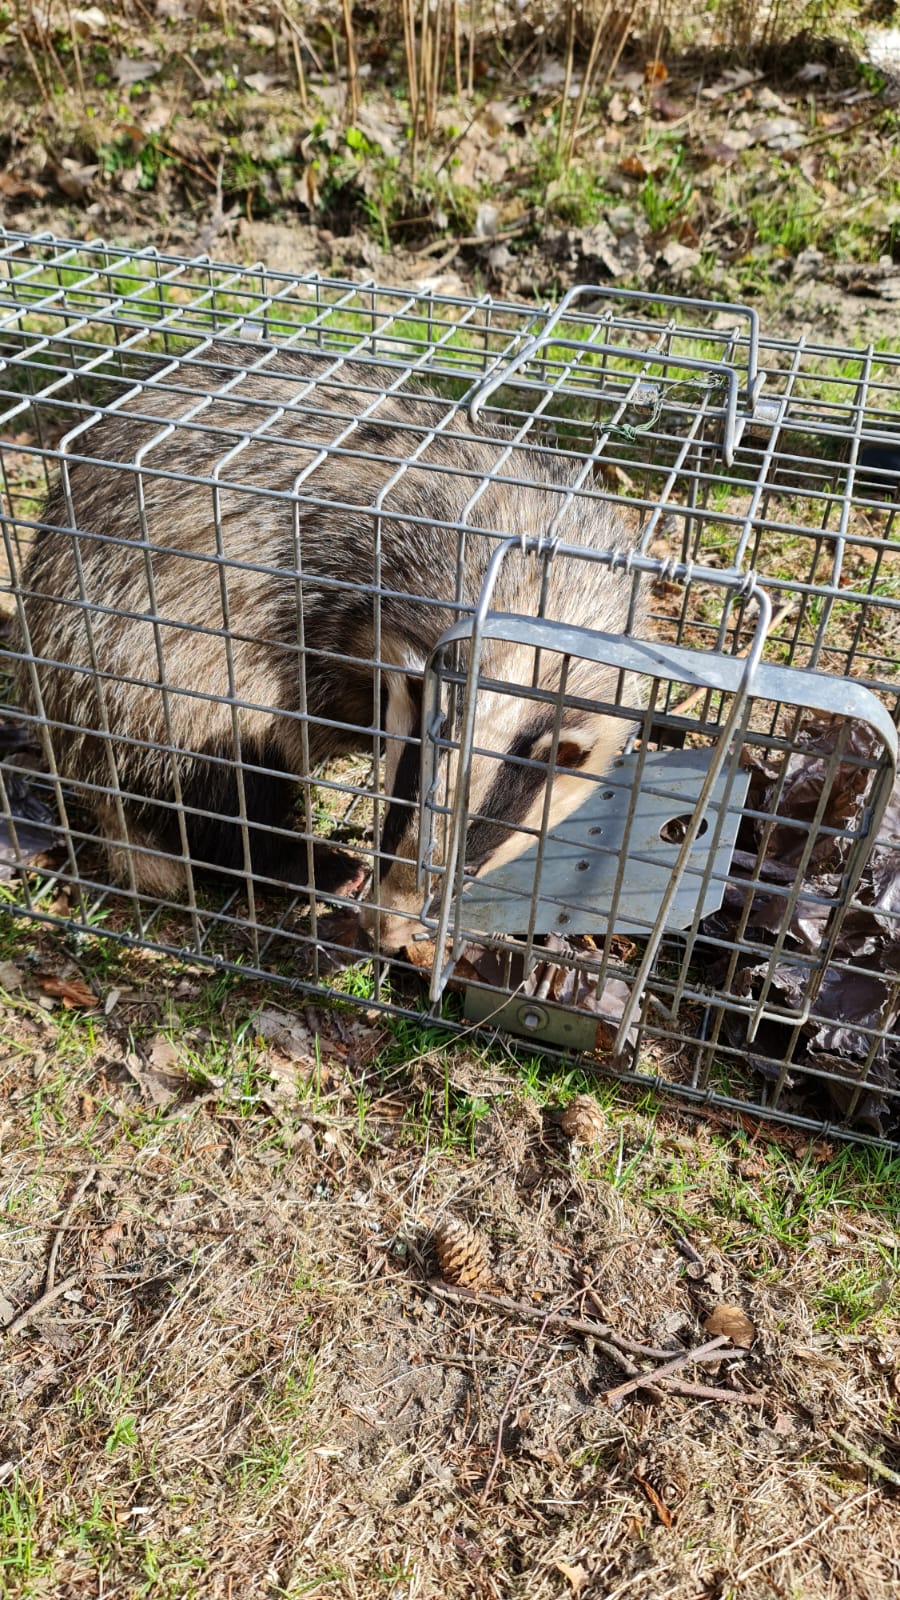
(15, 188)
(732, 1323)
(576, 1575)
(106, 1247)
(158, 1086)
(74, 179)
(163, 1054)
(656, 1500)
(71, 991)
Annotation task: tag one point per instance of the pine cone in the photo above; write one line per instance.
(461, 1254)
(582, 1121)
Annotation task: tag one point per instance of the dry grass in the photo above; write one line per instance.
(247, 1389)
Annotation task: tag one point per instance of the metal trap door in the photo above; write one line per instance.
(647, 854)
(640, 810)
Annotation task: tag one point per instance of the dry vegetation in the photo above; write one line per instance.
(240, 1383)
(731, 149)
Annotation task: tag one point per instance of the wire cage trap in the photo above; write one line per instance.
(543, 664)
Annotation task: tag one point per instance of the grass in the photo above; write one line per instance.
(250, 1392)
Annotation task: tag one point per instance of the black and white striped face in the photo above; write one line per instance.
(507, 798)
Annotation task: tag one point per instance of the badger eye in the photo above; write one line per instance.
(570, 754)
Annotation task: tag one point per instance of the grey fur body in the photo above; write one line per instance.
(148, 570)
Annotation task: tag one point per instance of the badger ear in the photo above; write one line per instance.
(573, 751)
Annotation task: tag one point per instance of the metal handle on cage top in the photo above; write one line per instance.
(755, 378)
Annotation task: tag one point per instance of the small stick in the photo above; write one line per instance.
(79, 1194)
(613, 1346)
(685, 1248)
(555, 1319)
(706, 1391)
(601, 1332)
(804, 1538)
(864, 1460)
(352, 104)
(521, 1308)
(613, 1396)
(40, 1304)
(498, 1443)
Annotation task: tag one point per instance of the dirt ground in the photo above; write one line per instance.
(227, 1369)
(244, 1383)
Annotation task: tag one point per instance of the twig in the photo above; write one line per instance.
(61, 1227)
(612, 1344)
(41, 1303)
(352, 102)
(784, 1549)
(851, 127)
(865, 1460)
(613, 1396)
(474, 238)
(708, 1391)
(521, 1308)
(555, 1319)
(32, 62)
(297, 38)
(685, 1248)
(498, 1443)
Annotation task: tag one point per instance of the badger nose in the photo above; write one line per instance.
(391, 931)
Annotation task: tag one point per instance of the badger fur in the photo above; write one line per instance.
(201, 591)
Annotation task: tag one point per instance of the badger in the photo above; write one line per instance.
(246, 545)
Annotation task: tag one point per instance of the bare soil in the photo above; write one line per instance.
(249, 1387)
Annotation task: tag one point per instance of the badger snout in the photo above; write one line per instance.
(393, 921)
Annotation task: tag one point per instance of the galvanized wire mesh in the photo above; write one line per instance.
(575, 632)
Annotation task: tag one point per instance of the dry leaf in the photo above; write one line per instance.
(105, 1249)
(10, 976)
(577, 1576)
(15, 188)
(158, 1087)
(655, 72)
(71, 991)
(733, 1323)
(127, 70)
(87, 21)
(163, 1054)
(74, 179)
(656, 1500)
(286, 1033)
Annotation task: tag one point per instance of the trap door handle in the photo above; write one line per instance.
(755, 378)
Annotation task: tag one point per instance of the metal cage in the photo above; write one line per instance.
(712, 908)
